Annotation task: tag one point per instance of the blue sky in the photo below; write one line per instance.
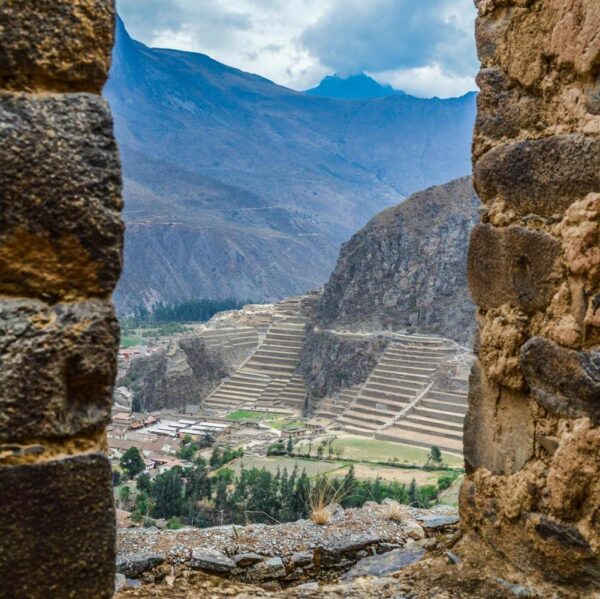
(424, 47)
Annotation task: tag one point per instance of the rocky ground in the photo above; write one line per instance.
(286, 555)
(361, 553)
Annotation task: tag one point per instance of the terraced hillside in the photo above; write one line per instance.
(416, 394)
(268, 377)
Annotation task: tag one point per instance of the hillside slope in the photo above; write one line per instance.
(235, 186)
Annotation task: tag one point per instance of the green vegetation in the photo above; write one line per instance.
(132, 462)
(231, 489)
(131, 340)
(239, 415)
(193, 310)
(374, 450)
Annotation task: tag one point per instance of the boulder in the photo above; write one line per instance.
(211, 560)
(386, 563)
(120, 582)
(301, 558)
(349, 543)
(268, 570)
(242, 560)
(133, 565)
(413, 530)
(434, 522)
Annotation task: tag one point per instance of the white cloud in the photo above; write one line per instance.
(427, 81)
(415, 45)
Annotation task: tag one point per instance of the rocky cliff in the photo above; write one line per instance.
(185, 372)
(406, 269)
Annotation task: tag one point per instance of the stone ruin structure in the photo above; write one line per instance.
(532, 438)
(60, 258)
(532, 435)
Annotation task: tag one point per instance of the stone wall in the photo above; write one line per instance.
(532, 435)
(60, 257)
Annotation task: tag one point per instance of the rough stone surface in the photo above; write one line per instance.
(57, 522)
(135, 564)
(170, 377)
(270, 569)
(60, 258)
(405, 269)
(58, 368)
(386, 563)
(212, 560)
(531, 440)
(60, 45)
(60, 227)
(542, 176)
(563, 381)
(330, 362)
(514, 265)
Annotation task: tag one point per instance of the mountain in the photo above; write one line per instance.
(406, 270)
(236, 186)
(354, 87)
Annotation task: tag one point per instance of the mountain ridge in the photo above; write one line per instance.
(315, 168)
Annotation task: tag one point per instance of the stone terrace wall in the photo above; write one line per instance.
(60, 257)
(532, 438)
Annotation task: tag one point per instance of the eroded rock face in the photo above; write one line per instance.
(532, 442)
(170, 378)
(406, 269)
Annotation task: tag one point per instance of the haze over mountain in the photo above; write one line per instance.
(235, 186)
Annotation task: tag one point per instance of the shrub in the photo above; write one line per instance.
(393, 511)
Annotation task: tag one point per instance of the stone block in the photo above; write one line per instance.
(133, 565)
(56, 44)
(499, 430)
(542, 176)
(563, 381)
(513, 265)
(58, 368)
(504, 108)
(60, 197)
(58, 534)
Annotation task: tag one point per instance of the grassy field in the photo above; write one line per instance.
(338, 469)
(313, 468)
(131, 341)
(373, 450)
(286, 424)
(389, 474)
(250, 415)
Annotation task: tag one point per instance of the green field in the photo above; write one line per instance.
(373, 450)
(249, 415)
(131, 341)
(271, 464)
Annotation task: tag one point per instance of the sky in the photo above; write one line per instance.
(423, 47)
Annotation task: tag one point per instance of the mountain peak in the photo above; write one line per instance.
(353, 87)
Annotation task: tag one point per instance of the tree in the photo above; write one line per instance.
(330, 448)
(413, 496)
(290, 446)
(132, 462)
(320, 450)
(124, 494)
(144, 483)
(116, 478)
(167, 491)
(276, 449)
(435, 456)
